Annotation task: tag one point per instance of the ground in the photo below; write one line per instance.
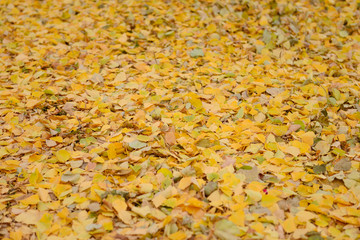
(178, 120)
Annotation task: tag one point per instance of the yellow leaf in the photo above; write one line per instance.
(274, 111)
(258, 227)
(3, 152)
(238, 217)
(263, 21)
(63, 214)
(334, 231)
(45, 222)
(321, 68)
(256, 186)
(116, 138)
(121, 77)
(185, 182)
(158, 200)
(29, 217)
(305, 216)
(323, 147)
(308, 138)
(254, 148)
(32, 200)
(16, 235)
(33, 157)
(141, 211)
(269, 200)
(297, 175)
(35, 177)
(30, 103)
(171, 202)
(120, 207)
(111, 153)
(180, 235)
(291, 150)
(2, 206)
(322, 221)
(278, 130)
(195, 202)
(108, 226)
(303, 147)
(60, 190)
(353, 211)
(253, 195)
(159, 215)
(289, 224)
(142, 66)
(167, 220)
(215, 199)
(195, 101)
(119, 204)
(57, 139)
(124, 216)
(146, 187)
(211, 28)
(44, 195)
(261, 137)
(62, 155)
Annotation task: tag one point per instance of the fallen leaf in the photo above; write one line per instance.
(170, 137)
(344, 164)
(63, 155)
(197, 52)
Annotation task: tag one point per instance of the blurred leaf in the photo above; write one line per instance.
(197, 52)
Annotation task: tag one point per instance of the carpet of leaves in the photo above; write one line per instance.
(179, 120)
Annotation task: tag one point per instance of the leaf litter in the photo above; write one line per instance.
(179, 120)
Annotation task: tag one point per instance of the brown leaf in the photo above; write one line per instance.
(170, 137)
(343, 164)
(228, 161)
(68, 108)
(293, 128)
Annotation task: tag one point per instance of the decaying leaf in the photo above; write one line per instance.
(343, 164)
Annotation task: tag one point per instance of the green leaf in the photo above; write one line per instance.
(87, 141)
(167, 182)
(210, 187)
(189, 118)
(197, 52)
(260, 159)
(339, 152)
(136, 144)
(266, 36)
(245, 167)
(332, 101)
(314, 236)
(70, 177)
(205, 143)
(166, 172)
(49, 92)
(136, 168)
(227, 230)
(336, 93)
(319, 169)
(230, 75)
(301, 123)
(39, 74)
(239, 114)
(169, 33)
(343, 33)
(213, 176)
